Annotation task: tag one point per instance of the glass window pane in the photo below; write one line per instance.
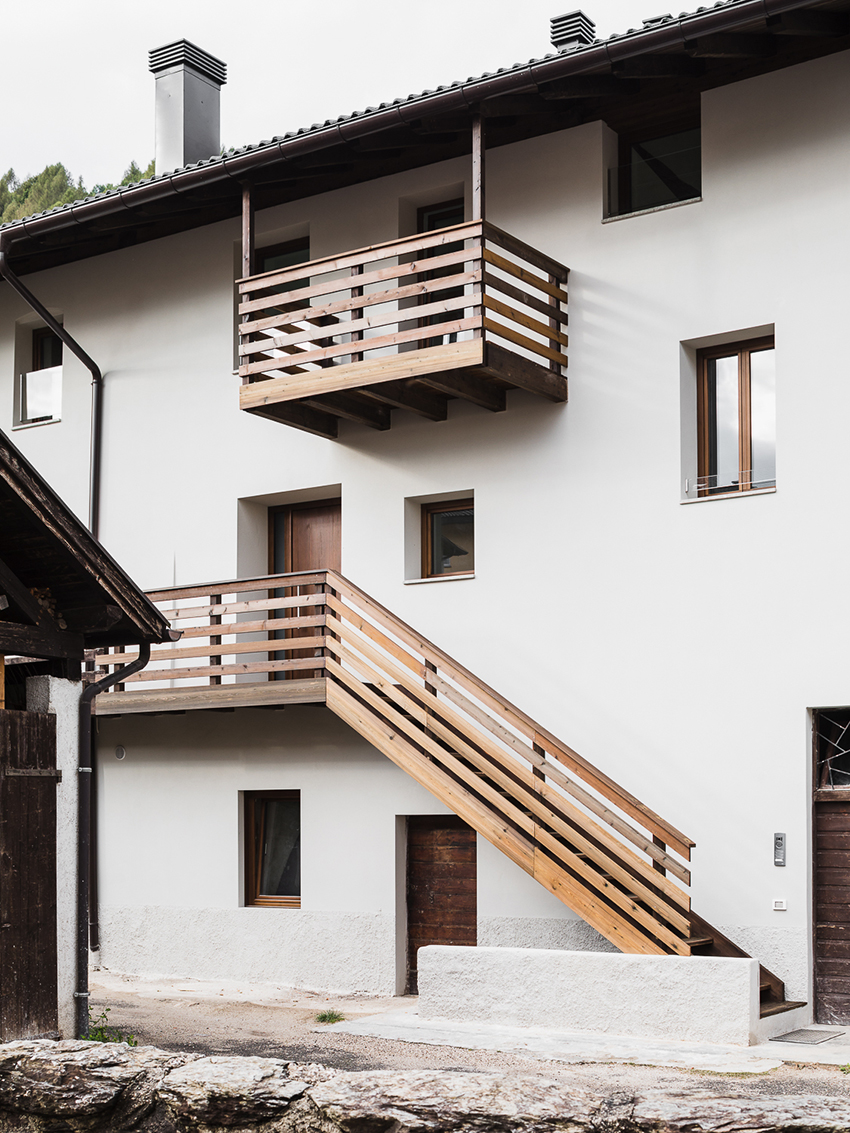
(452, 543)
(280, 873)
(665, 170)
(722, 378)
(763, 411)
(41, 395)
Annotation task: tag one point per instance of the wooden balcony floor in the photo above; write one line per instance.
(422, 381)
(251, 694)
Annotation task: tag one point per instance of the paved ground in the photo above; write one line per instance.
(279, 1022)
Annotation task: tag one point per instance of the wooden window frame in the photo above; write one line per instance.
(253, 898)
(743, 350)
(427, 533)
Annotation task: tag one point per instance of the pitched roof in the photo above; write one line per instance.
(60, 591)
(313, 159)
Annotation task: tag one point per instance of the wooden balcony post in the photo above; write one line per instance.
(247, 232)
(2, 681)
(478, 167)
(215, 619)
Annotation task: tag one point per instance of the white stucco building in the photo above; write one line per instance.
(646, 583)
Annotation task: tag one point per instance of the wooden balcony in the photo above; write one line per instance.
(463, 312)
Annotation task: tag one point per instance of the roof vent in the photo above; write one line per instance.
(571, 31)
(188, 115)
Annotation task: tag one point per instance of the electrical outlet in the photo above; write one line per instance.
(780, 905)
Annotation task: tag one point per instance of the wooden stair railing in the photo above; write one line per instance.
(618, 865)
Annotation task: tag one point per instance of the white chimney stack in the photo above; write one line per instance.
(188, 115)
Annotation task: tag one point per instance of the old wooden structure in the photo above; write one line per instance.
(60, 593)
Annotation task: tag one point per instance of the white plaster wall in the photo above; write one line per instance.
(677, 646)
(61, 699)
(689, 999)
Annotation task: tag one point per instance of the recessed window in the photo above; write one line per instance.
(736, 417)
(448, 538)
(273, 849)
(40, 390)
(655, 171)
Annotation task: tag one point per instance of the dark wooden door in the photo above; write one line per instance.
(28, 777)
(304, 537)
(442, 907)
(832, 910)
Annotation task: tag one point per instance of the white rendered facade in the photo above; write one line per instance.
(678, 645)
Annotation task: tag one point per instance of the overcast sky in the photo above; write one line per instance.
(77, 87)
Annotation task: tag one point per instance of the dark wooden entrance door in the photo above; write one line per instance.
(441, 886)
(831, 862)
(28, 778)
(832, 911)
(304, 537)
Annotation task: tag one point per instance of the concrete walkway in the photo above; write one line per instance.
(405, 1025)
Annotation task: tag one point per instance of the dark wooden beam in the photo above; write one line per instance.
(525, 374)
(247, 230)
(478, 166)
(731, 45)
(352, 408)
(33, 641)
(469, 387)
(18, 597)
(92, 619)
(405, 394)
(514, 106)
(827, 24)
(590, 86)
(321, 424)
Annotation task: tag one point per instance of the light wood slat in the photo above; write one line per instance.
(288, 301)
(392, 367)
(183, 613)
(238, 585)
(370, 322)
(511, 243)
(492, 282)
(554, 773)
(525, 320)
(278, 645)
(227, 670)
(270, 625)
(310, 691)
(388, 741)
(523, 340)
(515, 716)
(481, 786)
(370, 299)
(456, 326)
(406, 246)
(547, 795)
(352, 617)
(526, 276)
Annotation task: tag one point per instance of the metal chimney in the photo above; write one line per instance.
(571, 31)
(188, 116)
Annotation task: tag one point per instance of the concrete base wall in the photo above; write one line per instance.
(694, 999)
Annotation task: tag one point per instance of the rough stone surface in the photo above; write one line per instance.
(230, 1090)
(79, 1087)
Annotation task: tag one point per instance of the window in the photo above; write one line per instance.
(429, 219)
(40, 390)
(277, 257)
(736, 417)
(448, 545)
(273, 849)
(655, 171)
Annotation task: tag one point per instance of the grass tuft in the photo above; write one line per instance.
(330, 1015)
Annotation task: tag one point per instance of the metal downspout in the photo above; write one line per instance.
(84, 770)
(96, 378)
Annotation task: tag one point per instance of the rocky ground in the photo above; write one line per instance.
(279, 1023)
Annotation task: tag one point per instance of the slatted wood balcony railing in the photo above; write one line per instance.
(316, 637)
(463, 312)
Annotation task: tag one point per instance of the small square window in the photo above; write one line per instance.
(655, 171)
(273, 849)
(448, 538)
(40, 390)
(736, 417)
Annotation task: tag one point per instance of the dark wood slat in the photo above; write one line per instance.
(315, 421)
(408, 394)
(352, 408)
(469, 387)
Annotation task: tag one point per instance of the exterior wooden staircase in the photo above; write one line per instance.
(613, 861)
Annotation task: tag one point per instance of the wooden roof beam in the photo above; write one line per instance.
(731, 45)
(659, 67)
(590, 86)
(828, 24)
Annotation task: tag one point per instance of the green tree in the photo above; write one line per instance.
(53, 186)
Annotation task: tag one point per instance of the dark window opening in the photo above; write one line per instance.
(655, 171)
(429, 218)
(273, 849)
(832, 748)
(448, 538)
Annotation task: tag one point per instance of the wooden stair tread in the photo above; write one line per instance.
(778, 1008)
(699, 941)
